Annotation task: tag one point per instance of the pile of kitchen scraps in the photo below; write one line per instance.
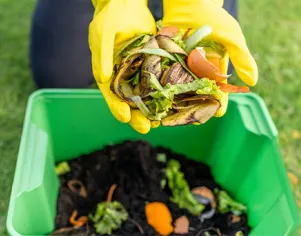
(176, 77)
(135, 189)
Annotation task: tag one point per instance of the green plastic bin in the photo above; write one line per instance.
(241, 148)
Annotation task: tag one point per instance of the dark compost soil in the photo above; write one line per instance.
(133, 166)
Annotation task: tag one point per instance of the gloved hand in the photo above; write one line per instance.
(226, 31)
(114, 22)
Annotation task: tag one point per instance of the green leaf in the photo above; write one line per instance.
(108, 217)
(165, 63)
(179, 187)
(163, 183)
(161, 157)
(193, 40)
(135, 79)
(62, 168)
(140, 104)
(178, 39)
(227, 204)
(200, 86)
(159, 24)
(154, 51)
(155, 84)
(182, 62)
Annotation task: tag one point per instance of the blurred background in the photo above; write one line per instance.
(271, 27)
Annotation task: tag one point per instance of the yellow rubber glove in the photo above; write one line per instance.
(114, 22)
(226, 31)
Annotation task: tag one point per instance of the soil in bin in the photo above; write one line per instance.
(134, 168)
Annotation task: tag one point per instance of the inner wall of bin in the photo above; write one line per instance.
(36, 185)
(84, 125)
(81, 124)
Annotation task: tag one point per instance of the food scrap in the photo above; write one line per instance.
(181, 194)
(158, 73)
(159, 217)
(62, 168)
(205, 192)
(109, 215)
(227, 204)
(181, 225)
(79, 222)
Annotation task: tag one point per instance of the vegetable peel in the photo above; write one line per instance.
(159, 217)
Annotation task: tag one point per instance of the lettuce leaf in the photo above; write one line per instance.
(200, 86)
(159, 107)
(163, 99)
(178, 39)
(165, 63)
(181, 194)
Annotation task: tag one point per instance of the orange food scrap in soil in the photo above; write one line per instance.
(79, 222)
(181, 225)
(159, 217)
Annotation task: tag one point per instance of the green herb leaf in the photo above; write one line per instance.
(161, 157)
(179, 187)
(108, 217)
(193, 40)
(62, 168)
(227, 204)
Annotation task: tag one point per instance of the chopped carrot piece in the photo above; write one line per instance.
(79, 222)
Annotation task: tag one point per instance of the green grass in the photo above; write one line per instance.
(15, 86)
(272, 29)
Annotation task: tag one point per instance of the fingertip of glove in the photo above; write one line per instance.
(122, 114)
(155, 124)
(121, 111)
(222, 110)
(250, 78)
(139, 122)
